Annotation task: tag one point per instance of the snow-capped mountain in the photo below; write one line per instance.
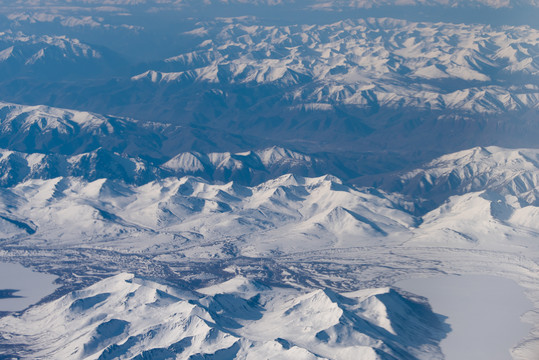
(18, 167)
(380, 84)
(270, 217)
(251, 167)
(367, 86)
(52, 130)
(249, 179)
(247, 168)
(368, 63)
(44, 142)
(49, 130)
(54, 57)
(512, 172)
(284, 230)
(290, 213)
(126, 317)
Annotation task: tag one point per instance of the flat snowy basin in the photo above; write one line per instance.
(483, 311)
(21, 287)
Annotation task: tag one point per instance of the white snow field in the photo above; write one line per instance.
(469, 302)
(31, 286)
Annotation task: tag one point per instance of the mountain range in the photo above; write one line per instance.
(252, 179)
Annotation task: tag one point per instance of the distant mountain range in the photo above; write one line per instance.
(54, 58)
(363, 86)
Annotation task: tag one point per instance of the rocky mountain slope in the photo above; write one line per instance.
(505, 172)
(54, 58)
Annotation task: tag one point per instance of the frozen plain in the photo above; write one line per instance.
(470, 301)
(31, 286)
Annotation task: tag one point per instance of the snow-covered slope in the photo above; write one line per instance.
(189, 217)
(513, 172)
(125, 317)
(192, 216)
(54, 58)
(18, 167)
(251, 167)
(50, 130)
(290, 213)
(478, 220)
(246, 168)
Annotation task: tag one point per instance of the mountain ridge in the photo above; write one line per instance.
(222, 325)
